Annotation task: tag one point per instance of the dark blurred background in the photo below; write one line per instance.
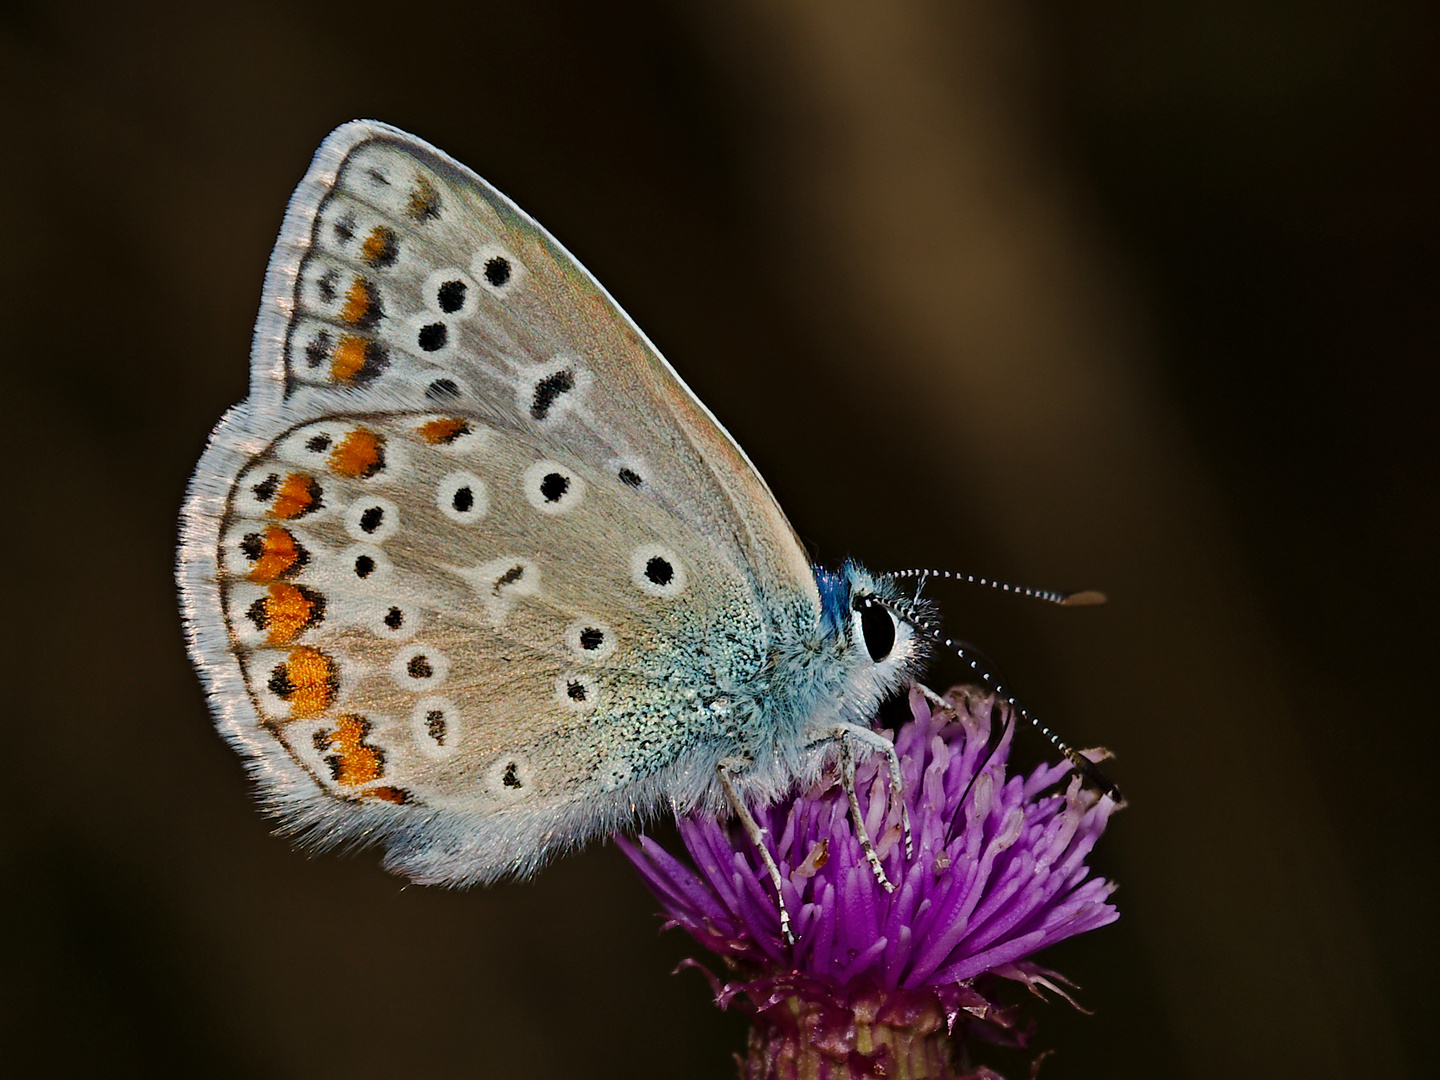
(1111, 294)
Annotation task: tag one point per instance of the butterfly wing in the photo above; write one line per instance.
(471, 571)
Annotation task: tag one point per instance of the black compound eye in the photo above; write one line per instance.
(877, 627)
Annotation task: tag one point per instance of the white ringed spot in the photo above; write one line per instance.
(576, 691)
(657, 571)
(419, 667)
(461, 497)
(551, 488)
(435, 727)
(547, 392)
(502, 583)
(360, 564)
(509, 777)
(590, 640)
(372, 519)
(392, 620)
(431, 336)
(496, 270)
(451, 292)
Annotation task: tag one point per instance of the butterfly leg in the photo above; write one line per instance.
(724, 770)
(875, 743)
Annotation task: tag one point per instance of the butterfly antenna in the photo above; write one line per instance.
(1082, 598)
(1082, 764)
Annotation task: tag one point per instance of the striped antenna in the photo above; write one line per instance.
(1083, 765)
(1084, 598)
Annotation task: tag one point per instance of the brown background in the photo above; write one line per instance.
(1084, 294)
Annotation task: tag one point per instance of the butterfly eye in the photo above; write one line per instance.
(877, 630)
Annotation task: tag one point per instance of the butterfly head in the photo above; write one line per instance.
(880, 651)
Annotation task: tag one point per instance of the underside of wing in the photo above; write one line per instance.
(401, 271)
(471, 572)
(446, 638)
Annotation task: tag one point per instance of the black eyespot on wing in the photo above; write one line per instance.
(318, 443)
(554, 486)
(511, 777)
(548, 390)
(462, 500)
(497, 271)
(258, 614)
(317, 349)
(435, 725)
(432, 336)
(575, 690)
(442, 390)
(394, 618)
(265, 490)
(658, 571)
(630, 478)
(371, 519)
(877, 627)
(451, 295)
(364, 566)
(592, 638)
(280, 684)
(419, 667)
(511, 576)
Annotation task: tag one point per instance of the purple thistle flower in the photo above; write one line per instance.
(892, 981)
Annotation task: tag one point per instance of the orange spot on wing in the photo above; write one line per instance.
(357, 762)
(348, 358)
(362, 304)
(289, 610)
(310, 682)
(424, 200)
(443, 431)
(379, 248)
(395, 795)
(278, 554)
(298, 495)
(360, 454)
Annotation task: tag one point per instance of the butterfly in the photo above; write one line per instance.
(473, 575)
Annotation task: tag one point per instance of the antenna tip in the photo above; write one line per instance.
(1088, 598)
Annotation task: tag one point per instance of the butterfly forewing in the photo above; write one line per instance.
(418, 278)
